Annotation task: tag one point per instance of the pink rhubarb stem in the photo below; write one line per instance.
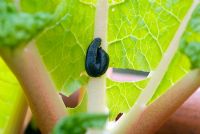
(42, 97)
(159, 111)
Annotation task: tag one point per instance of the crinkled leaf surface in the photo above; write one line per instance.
(192, 50)
(139, 32)
(190, 43)
(18, 27)
(79, 123)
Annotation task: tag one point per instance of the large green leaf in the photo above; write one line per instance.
(179, 66)
(138, 39)
(139, 32)
(138, 35)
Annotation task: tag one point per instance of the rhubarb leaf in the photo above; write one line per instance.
(79, 123)
(139, 32)
(139, 39)
(18, 27)
(192, 50)
(135, 30)
(138, 35)
(190, 43)
(180, 65)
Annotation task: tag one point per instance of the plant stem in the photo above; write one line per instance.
(158, 112)
(97, 86)
(45, 103)
(158, 75)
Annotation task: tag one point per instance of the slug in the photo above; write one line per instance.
(97, 60)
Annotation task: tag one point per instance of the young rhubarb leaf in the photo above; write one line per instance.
(190, 43)
(18, 28)
(79, 123)
(192, 50)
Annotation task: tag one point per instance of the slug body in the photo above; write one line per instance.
(97, 60)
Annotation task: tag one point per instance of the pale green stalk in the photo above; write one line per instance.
(97, 86)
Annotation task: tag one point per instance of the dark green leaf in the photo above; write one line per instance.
(79, 123)
(192, 50)
(190, 43)
(18, 27)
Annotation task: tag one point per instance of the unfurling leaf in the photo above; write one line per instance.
(190, 43)
(192, 50)
(79, 123)
(17, 28)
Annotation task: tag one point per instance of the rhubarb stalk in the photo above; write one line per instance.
(42, 97)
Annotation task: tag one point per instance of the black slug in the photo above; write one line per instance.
(97, 60)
